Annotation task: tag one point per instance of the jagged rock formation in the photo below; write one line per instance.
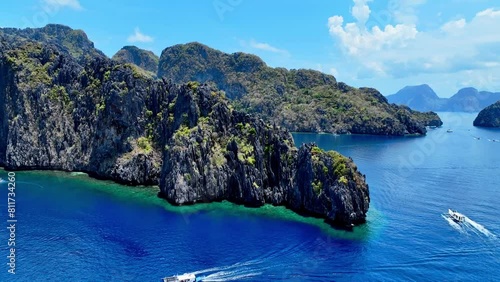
(232, 156)
(299, 100)
(61, 114)
(144, 59)
(489, 117)
(66, 111)
(73, 42)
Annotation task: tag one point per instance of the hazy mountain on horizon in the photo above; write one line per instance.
(423, 98)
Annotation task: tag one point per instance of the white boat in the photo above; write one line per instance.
(449, 130)
(456, 216)
(188, 277)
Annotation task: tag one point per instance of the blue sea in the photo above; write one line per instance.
(74, 228)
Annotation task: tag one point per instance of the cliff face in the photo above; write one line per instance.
(59, 114)
(144, 59)
(233, 156)
(68, 41)
(299, 100)
(63, 111)
(489, 117)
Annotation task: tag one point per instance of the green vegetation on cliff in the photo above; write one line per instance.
(299, 100)
(64, 109)
(144, 59)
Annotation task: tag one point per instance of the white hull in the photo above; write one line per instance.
(181, 278)
(456, 216)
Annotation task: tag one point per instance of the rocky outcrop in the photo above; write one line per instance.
(63, 111)
(489, 117)
(232, 156)
(60, 114)
(69, 41)
(299, 100)
(144, 59)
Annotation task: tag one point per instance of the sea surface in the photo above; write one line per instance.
(74, 228)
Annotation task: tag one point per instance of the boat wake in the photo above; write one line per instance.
(453, 224)
(231, 275)
(472, 224)
(468, 225)
(248, 269)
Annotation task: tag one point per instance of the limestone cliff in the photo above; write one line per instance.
(63, 110)
(144, 59)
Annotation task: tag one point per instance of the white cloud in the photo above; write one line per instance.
(358, 40)
(140, 37)
(399, 49)
(491, 13)
(73, 4)
(454, 26)
(361, 11)
(263, 47)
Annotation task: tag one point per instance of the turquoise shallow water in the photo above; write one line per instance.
(75, 228)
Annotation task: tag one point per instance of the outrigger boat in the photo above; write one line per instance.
(181, 278)
(456, 216)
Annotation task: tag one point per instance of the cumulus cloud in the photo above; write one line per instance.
(400, 49)
(140, 37)
(361, 11)
(73, 4)
(358, 40)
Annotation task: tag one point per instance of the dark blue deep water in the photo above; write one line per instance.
(73, 228)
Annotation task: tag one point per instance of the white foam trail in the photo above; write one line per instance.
(479, 227)
(228, 267)
(233, 278)
(254, 262)
(453, 224)
(224, 274)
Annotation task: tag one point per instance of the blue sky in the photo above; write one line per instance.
(386, 44)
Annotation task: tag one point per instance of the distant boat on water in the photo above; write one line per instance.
(188, 277)
(449, 130)
(456, 216)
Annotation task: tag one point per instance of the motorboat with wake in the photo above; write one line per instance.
(456, 216)
(187, 277)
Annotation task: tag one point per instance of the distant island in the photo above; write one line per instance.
(65, 106)
(423, 98)
(489, 117)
